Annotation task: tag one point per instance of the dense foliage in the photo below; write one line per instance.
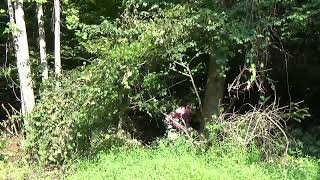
(141, 56)
(133, 72)
(130, 60)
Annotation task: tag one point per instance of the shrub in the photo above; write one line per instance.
(135, 70)
(263, 128)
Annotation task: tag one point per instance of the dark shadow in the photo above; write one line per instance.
(143, 127)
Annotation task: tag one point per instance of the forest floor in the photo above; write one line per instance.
(162, 162)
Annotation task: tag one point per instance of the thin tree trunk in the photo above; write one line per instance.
(214, 91)
(42, 43)
(57, 58)
(22, 55)
(12, 21)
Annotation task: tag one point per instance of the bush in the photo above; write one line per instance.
(135, 71)
(262, 128)
(140, 60)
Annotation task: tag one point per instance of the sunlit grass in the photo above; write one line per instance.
(180, 162)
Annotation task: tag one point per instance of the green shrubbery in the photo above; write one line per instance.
(137, 68)
(133, 73)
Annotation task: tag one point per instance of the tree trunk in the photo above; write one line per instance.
(22, 55)
(57, 58)
(12, 21)
(42, 43)
(214, 91)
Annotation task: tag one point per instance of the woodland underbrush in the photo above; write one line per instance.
(150, 58)
(179, 159)
(236, 146)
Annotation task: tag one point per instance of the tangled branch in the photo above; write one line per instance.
(264, 126)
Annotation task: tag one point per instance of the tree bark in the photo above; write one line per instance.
(57, 58)
(42, 43)
(12, 21)
(22, 55)
(214, 91)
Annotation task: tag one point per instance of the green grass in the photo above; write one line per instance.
(180, 162)
(171, 161)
